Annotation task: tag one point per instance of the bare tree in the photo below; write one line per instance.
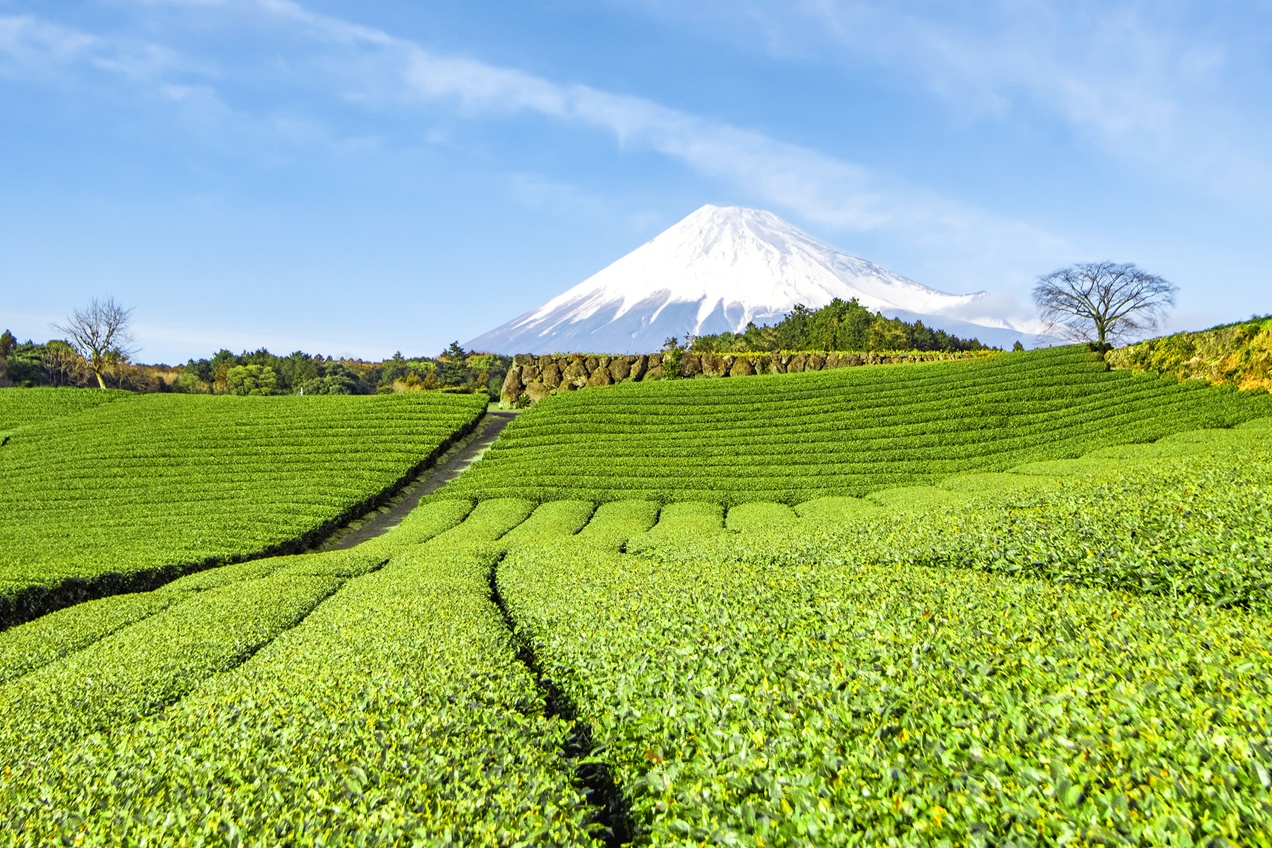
(1102, 301)
(100, 334)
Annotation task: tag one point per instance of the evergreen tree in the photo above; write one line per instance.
(839, 325)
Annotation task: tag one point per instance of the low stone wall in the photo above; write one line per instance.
(532, 378)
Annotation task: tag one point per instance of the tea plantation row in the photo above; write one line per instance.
(1073, 652)
(795, 437)
(102, 498)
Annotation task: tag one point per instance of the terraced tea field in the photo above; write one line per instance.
(97, 498)
(1072, 649)
(794, 437)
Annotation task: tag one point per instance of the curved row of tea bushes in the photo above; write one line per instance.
(1187, 517)
(37, 643)
(549, 521)
(796, 437)
(760, 517)
(686, 520)
(489, 520)
(396, 713)
(126, 495)
(806, 704)
(50, 637)
(141, 668)
(614, 523)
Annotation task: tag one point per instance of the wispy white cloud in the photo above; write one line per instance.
(1164, 88)
(373, 68)
(30, 45)
(32, 48)
(816, 186)
(1103, 68)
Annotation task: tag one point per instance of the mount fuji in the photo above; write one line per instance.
(721, 268)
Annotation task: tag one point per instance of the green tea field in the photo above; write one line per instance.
(1015, 601)
(99, 497)
(794, 437)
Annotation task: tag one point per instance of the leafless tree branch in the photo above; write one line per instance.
(100, 334)
(1102, 302)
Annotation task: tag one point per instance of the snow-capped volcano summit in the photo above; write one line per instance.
(717, 270)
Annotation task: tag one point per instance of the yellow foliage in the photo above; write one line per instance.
(1238, 355)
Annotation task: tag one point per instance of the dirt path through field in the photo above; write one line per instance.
(463, 454)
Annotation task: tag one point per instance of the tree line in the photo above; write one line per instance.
(259, 372)
(840, 325)
(263, 373)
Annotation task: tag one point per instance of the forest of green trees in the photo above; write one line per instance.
(840, 325)
(55, 363)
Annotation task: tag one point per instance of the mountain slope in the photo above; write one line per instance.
(719, 269)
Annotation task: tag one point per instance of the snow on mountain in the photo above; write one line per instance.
(719, 269)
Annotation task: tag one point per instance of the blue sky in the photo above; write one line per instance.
(358, 178)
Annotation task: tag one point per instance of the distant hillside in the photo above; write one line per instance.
(840, 325)
(1237, 355)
